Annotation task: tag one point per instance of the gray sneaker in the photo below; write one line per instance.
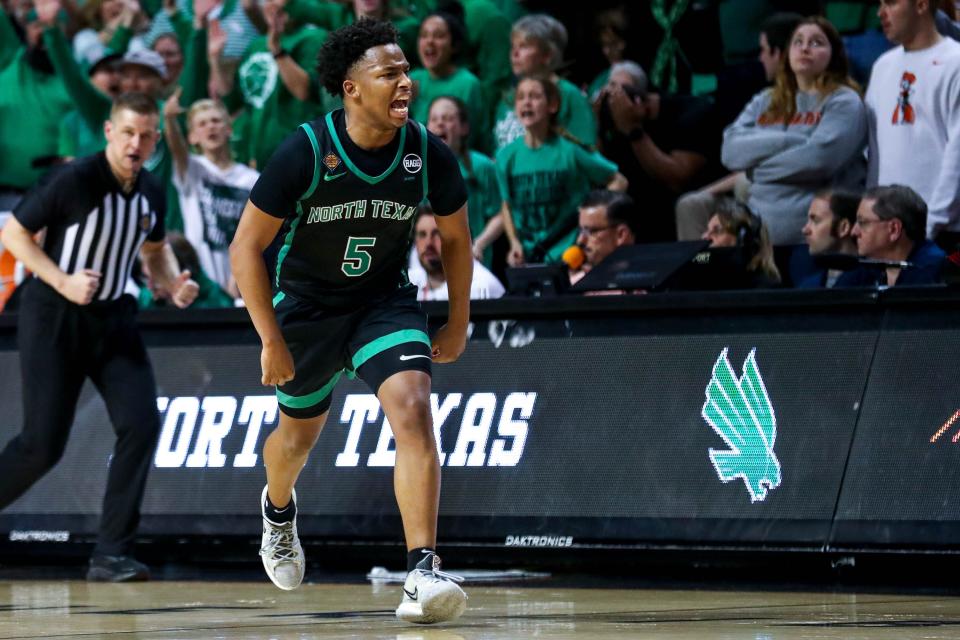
(280, 550)
(430, 595)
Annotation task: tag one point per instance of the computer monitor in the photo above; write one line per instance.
(639, 266)
(537, 280)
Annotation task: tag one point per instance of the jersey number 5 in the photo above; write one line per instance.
(356, 259)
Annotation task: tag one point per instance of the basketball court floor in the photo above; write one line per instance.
(256, 610)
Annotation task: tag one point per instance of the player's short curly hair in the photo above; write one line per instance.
(346, 45)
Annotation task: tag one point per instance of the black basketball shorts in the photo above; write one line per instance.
(373, 341)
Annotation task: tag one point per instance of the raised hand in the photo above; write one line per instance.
(216, 40)
(202, 8)
(276, 19)
(172, 108)
(47, 11)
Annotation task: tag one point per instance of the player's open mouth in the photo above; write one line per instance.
(398, 108)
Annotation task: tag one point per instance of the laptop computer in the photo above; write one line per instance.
(639, 266)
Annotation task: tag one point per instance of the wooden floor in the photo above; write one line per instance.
(254, 610)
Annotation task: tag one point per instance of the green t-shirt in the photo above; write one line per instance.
(459, 84)
(31, 106)
(544, 187)
(77, 139)
(273, 112)
(576, 116)
(483, 194)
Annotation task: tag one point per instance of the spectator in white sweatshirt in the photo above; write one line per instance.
(913, 106)
(806, 133)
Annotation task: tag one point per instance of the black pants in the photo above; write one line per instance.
(62, 344)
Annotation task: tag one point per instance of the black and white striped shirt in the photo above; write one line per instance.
(92, 224)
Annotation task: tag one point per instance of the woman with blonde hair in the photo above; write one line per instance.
(806, 133)
(734, 225)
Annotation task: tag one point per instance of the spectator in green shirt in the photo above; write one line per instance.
(449, 120)
(543, 177)
(442, 37)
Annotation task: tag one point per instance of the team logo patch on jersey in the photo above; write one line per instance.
(145, 222)
(412, 163)
(331, 161)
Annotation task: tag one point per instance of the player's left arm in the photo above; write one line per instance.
(447, 193)
(457, 256)
(166, 274)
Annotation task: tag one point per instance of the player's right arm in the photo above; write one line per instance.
(254, 234)
(283, 181)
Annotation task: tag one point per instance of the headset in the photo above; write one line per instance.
(748, 233)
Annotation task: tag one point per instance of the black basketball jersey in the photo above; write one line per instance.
(350, 234)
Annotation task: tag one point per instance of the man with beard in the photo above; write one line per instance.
(30, 92)
(427, 273)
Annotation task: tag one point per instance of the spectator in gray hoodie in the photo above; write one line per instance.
(806, 133)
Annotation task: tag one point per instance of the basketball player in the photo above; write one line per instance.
(347, 187)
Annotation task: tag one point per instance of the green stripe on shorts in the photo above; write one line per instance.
(311, 399)
(388, 341)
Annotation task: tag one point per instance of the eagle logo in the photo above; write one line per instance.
(739, 411)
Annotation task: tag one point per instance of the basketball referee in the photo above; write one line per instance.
(77, 320)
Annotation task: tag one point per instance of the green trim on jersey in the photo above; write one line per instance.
(316, 160)
(309, 400)
(423, 155)
(388, 341)
(354, 168)
(287, 241)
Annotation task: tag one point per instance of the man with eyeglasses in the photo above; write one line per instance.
(891, 225)
(606, 222)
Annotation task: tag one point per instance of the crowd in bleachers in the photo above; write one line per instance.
(782, 151)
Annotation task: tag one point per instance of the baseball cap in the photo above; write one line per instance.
(106, 58)
(146, 58)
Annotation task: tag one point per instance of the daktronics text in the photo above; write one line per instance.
(492, 432)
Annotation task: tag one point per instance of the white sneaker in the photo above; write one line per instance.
(280, 549)
(430, 595)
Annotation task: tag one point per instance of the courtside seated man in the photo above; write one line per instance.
(77, 320)
(347, 185)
